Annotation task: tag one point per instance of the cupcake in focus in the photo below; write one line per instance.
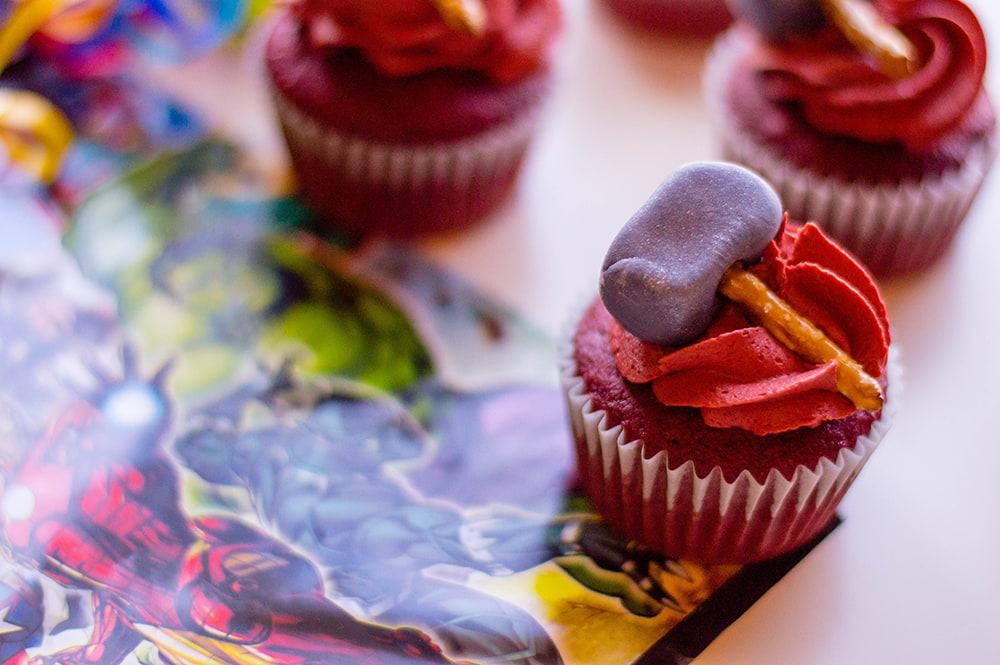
(881, 132)
(411, 116)
(732, 378)
(680, 18)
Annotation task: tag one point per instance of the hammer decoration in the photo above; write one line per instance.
(665, 269)
(858, 20)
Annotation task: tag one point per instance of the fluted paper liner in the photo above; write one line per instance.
(410, 166)
(458, 181)
(892, 228)
(668, 507)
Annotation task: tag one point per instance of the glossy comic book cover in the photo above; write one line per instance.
(227, 439)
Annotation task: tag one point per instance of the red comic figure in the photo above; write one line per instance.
(95, 506)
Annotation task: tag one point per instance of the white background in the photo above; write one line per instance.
(913, 574)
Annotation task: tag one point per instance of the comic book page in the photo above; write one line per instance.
(231, 439)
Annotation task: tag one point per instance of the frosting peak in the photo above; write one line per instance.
(841, 91)
(406, 37)
(739, 375)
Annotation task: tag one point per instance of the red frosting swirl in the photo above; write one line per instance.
(841, 91)
(738, 375)
(407, 37)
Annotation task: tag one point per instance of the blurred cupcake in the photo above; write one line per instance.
(886, 148)
(710, 427)
(410, 116)
(690, 18)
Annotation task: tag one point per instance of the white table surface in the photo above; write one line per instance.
(913, 573)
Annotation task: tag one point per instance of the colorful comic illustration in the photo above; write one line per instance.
(228, 440)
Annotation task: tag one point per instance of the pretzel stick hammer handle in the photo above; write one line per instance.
(466, 15)
(800, 335)
(861, 23)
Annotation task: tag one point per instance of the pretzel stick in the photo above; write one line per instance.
(466, 15)
(870, 33)
(800, 335)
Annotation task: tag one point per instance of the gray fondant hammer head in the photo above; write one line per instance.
(661, 274)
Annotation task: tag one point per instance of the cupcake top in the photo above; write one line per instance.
(815, 65)
(738, 369)
(503, 39)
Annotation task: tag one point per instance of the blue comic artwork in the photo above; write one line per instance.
(230, 440)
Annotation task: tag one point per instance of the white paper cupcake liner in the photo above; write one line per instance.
(892, 228)
(468, 175)
(400, 167)
(667, 506)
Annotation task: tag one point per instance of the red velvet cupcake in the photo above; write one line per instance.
(717, 442)
(889, 164)
(690, 18)
(404, 118)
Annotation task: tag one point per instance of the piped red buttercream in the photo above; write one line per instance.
(406, 37)
(842, 91)
(738, 375)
